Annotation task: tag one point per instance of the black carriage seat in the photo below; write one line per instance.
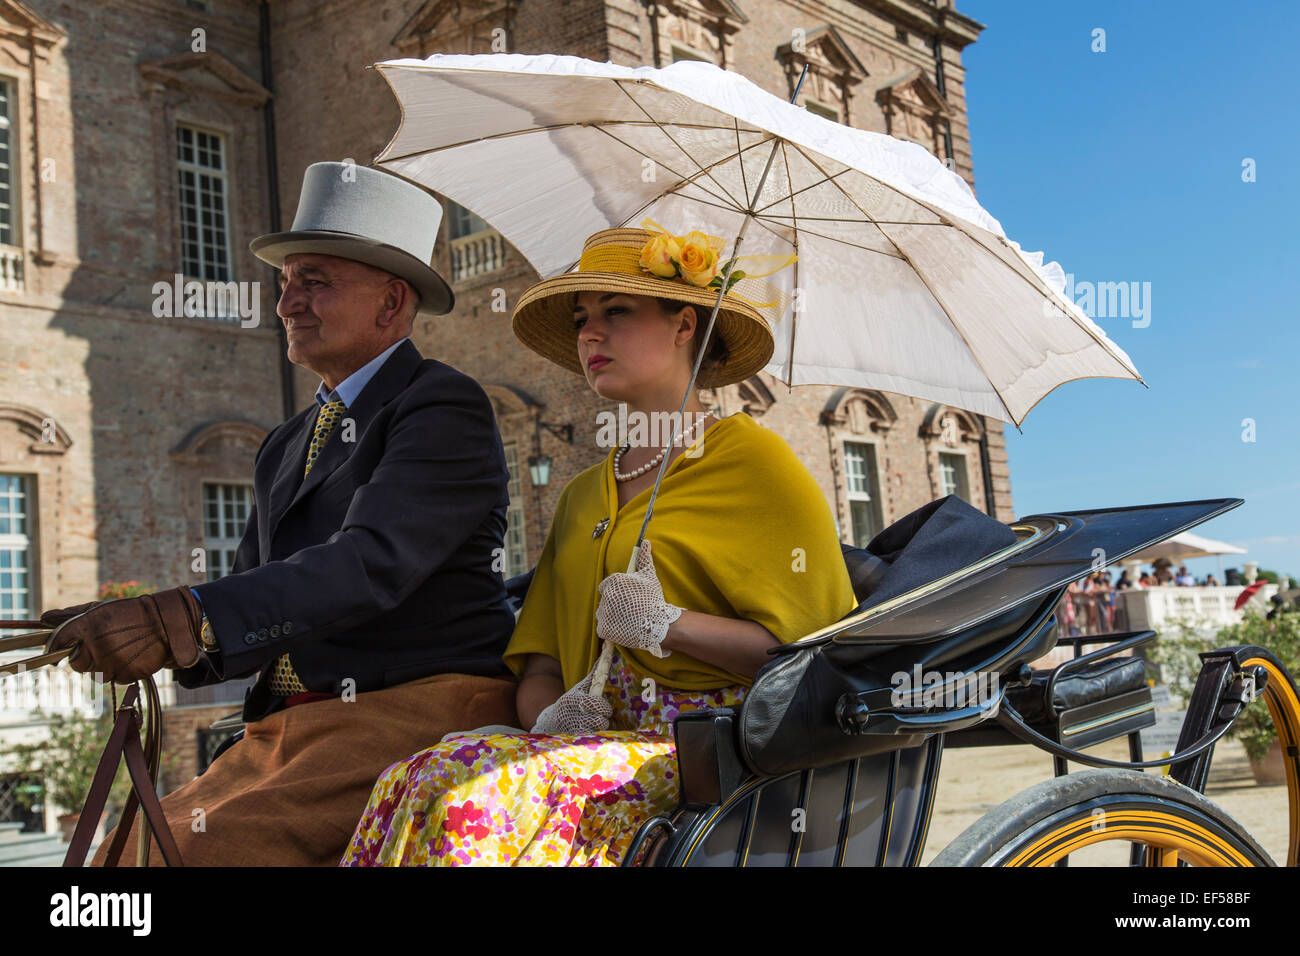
(1078, 706)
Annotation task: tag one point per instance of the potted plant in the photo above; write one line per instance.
(65, 764)
(1179, 664)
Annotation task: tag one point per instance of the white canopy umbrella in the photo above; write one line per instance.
(1183, 546)
(903, 282)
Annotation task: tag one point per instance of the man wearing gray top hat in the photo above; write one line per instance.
(366, 589)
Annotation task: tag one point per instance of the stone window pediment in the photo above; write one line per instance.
(914, 109)
(699, 29)
(43, 434)
(951, 426)
(458, 26)
(859, 411)
(833, 69)
(205, 75)
(24, 25)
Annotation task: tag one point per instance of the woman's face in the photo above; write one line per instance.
(628, 349)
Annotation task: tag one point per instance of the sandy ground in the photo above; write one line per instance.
(974, 780)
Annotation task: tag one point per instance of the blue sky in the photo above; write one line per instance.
(1126, 165)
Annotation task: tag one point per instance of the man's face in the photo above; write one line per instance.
(337, 313)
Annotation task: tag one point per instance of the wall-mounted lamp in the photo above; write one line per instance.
(539, 470)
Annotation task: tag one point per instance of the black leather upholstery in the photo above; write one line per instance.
(1093, 682)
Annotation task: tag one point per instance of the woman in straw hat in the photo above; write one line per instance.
(745, 556)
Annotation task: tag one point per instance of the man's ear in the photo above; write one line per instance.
(395, 303)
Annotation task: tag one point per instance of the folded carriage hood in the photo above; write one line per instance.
(1055, 549)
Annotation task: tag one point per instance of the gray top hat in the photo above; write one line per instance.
(355, 212)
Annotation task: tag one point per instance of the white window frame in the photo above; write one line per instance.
(226, 310)
(22, 543)
(871, 474)
(964, 477)
(515, 543)
(220, 548)
(9, 124)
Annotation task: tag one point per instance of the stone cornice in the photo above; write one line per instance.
(928, 19)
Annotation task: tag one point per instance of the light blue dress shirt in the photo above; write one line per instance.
(348, 389)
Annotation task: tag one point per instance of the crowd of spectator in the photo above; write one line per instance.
(1089, 605)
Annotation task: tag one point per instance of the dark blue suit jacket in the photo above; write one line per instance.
(379, 566)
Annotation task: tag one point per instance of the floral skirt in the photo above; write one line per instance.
(533, 799)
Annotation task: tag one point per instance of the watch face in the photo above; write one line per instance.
(206, 636)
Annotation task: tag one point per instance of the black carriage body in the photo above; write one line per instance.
(816, 768)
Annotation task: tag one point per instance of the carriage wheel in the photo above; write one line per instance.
(1058, 817)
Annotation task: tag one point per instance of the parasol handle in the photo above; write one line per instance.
(600, 673)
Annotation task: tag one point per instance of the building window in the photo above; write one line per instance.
(225, 515)
(204, 204)
(863, 491)
(516, 556)
(463, 222)
(952, 476)
(824, 110)
(15, 548)
(476, 248)
(8, 215)
(686, 53)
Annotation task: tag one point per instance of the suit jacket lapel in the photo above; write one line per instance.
(289, 474)
(387, 382)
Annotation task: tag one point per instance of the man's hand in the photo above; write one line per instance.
(632, 611)
(131, 638)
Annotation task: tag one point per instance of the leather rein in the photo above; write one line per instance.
(123, 743)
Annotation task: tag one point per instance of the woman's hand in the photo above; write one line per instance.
(632, 611)
(577, 711)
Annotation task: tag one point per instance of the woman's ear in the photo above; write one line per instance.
(688, 321)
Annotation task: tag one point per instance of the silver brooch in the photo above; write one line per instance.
(600, 528)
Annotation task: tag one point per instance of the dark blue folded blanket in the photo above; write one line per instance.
(934, 540)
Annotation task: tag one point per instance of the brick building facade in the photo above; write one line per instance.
(149, 139)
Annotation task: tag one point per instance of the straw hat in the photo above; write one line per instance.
(611, 262)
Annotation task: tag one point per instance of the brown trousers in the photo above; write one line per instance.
(291, 791)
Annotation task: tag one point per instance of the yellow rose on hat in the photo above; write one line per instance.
(698, 259)
(660, 256)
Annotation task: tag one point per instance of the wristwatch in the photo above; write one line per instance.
(206, 638)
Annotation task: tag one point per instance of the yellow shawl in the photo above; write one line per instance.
(742, 530)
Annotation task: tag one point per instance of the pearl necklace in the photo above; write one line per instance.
(638, 472)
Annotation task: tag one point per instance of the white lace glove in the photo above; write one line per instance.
(632, 611)
(577, 711)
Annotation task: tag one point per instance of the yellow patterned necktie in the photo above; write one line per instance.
(284, 680)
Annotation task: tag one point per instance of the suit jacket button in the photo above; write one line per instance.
(250, 638)
(275, 631)
(263, 634)
(286, 628)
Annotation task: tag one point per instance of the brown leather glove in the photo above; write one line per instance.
(57, 616)
(131, 638)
